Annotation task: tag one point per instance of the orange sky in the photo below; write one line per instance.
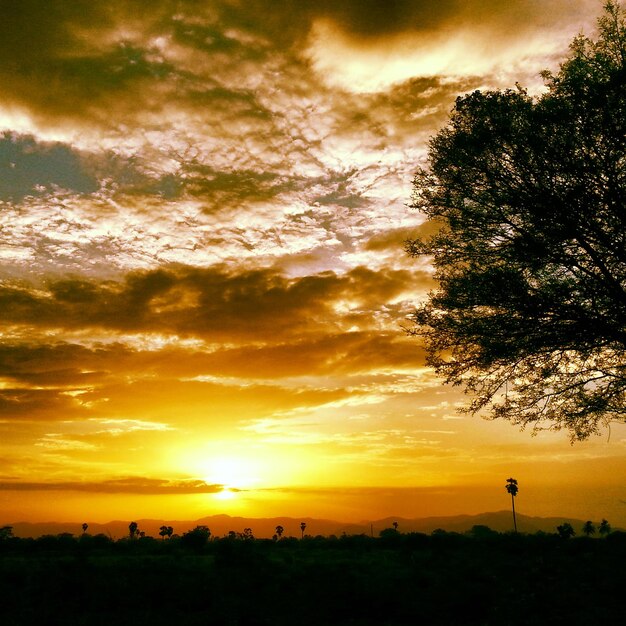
(203, 283)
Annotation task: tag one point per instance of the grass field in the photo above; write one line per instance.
(481, 578)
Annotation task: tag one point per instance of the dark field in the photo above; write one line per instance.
(482, 578)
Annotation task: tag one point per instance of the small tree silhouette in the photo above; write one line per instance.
(604, 528)
(302, 528)
(565, 530)
(512, 488)
(132, 530)
(165, 531)
(85, 527)
(588, 528)
(395, 526)
(6, 532)
(279, 531)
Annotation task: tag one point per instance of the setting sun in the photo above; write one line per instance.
(232, 473)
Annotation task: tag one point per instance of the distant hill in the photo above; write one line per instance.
(265, 527)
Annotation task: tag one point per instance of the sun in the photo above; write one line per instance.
(231, 473)
(226, 494)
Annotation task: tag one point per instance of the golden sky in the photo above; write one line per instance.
(203, 283)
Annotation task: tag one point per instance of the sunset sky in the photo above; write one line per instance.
(203, 285)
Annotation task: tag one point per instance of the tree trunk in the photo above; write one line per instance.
(514, 520)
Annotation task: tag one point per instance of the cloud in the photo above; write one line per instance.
(133, 485)
(40, 404)
(213, 303)
(481, 38)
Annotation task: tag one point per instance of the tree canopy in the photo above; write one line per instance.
(529, 194)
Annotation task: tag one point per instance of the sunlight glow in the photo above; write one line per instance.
(231, 472)
(225, 494)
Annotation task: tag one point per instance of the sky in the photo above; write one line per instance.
(203, 286)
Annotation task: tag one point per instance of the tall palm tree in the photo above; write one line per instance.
(302, 528)
(512, 488)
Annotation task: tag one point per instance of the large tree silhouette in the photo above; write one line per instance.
(528, 198)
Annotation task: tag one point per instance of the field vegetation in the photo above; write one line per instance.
(478, 578)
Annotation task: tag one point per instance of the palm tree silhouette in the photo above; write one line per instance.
(302, 528)
(604, 528)
(588, 528)
(85, 527)
(512, 488)
(279, 531)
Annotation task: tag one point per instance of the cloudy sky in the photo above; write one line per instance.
(203, 288)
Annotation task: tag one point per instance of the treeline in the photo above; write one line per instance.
(397, 579)
(201, 540)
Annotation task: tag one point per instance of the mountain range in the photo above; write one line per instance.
(220, 525)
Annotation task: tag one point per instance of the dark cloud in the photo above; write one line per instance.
(135, 485)
(223, 188)
(74, 366)
(374, 19)
(56, 55)
(61, 364)
(214, 303)
(40, 404)
(92, 59)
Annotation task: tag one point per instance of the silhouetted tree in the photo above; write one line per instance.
(279, 531)
(512, 488)
(589, 528)
(389, 534)
(132, 530)
(247, 534)
(604, 528)
(165, 531)
(481, 531)
(196, 539)
(526, 196)
(302, 528)
(395, 525)
(85, 527)
(6, 532)
(565, 530)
